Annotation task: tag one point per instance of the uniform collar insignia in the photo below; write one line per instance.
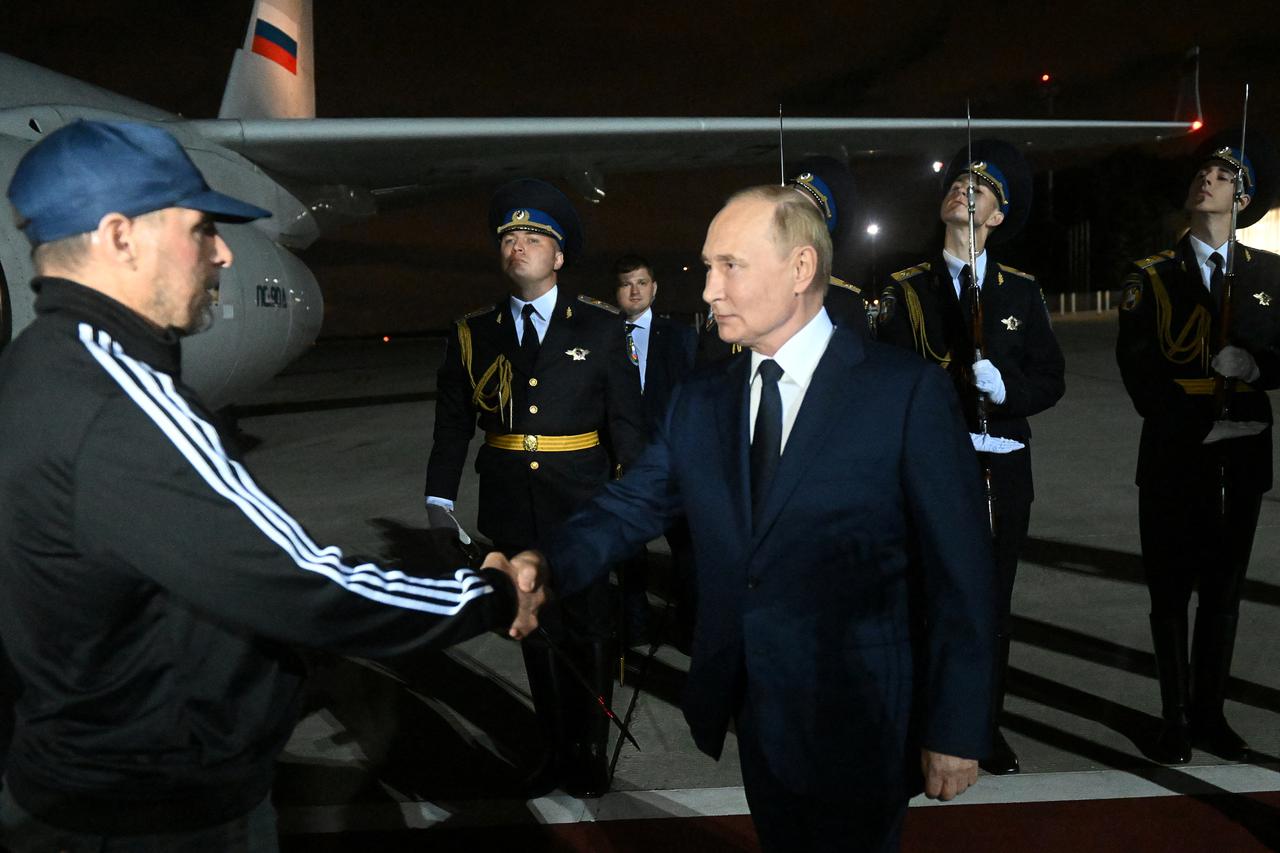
(1264, 298)
(578, 353)
(1011, 323)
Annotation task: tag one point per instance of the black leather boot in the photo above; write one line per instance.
(1003, 760)
(1215, 641)
(1169, 639)
(545, 687)
(589, 776)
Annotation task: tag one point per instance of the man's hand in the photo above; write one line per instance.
(946, 776)
(989, 381)
(1236, 363)
(528, 573)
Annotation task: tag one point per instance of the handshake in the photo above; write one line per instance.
(527, 570)
(528, 573)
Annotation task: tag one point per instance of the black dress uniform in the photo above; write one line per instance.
(557, 423)
(1165, 346)
(919, 309)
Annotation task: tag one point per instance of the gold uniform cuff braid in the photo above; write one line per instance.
(542, 443)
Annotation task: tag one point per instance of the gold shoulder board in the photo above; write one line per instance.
(476, 313)
(1158, 257)
(612, 309)
(1017, 272)
(911, 272)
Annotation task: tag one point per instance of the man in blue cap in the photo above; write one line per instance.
(1202, 471)
(545, 373)
(150, 590)
(928, 308)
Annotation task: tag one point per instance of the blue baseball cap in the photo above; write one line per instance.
(87, 169)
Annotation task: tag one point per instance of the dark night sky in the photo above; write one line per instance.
(383, 58)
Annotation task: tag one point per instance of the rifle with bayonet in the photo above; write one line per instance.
(974, 295)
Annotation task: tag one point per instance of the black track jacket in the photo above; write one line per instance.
(150, 591)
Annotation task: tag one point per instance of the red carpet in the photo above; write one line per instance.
(1220, 824)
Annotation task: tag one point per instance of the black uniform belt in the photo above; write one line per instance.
(1205, 386)
(542, 443)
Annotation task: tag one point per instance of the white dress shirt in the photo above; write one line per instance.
(1202, 252)
(542, 308)
(798, 358)
(955, 266)
(640, 337)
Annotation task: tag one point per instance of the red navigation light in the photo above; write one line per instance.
(1196, 125)
(1045, 78)
(386, 339)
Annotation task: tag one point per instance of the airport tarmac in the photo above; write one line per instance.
(341, 438)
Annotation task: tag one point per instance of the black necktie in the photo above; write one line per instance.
(1216, 279)
(529, 337)
(766, 444)
(966, 285)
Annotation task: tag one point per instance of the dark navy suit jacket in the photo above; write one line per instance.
(857, 619)
(672, 347)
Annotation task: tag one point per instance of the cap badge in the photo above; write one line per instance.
(1264, 298)
(1011, 323)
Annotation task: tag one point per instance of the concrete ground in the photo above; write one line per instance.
(341, 438)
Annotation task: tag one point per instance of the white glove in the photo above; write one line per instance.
(440, 514)
(1236, 363)
(987, 377)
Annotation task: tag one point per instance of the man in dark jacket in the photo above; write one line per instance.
(150, 590)
(545, 374)
(850, 668)
(663, 351)
(1202, 471)
(929, 308)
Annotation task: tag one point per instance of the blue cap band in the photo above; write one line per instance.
(818, 190)
(1238, 161)
(532, 219)
(989, 173)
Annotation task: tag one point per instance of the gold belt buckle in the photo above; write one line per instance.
(531, 443)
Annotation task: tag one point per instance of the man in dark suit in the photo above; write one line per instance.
(664, 352)
(545, 374)
(928, 307)
(845, 585)
(1201, 476)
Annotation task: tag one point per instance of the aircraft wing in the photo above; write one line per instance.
(392, 153)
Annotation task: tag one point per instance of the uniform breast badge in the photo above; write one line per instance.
(1264, 298)
(578, 353)
(1011, 323)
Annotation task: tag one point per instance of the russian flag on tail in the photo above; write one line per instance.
(272, 42)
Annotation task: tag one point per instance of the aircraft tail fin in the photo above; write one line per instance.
(1188, 107)
(273, 74)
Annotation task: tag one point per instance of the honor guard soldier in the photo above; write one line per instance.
(1202, 465)
(829, 185)
(929, 308)
(545, 374)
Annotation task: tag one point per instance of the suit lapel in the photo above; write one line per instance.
(819, 414)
